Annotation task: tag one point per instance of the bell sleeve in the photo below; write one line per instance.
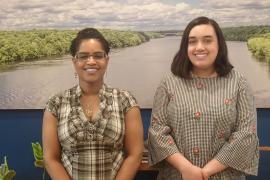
(160, 142)
(241, 151)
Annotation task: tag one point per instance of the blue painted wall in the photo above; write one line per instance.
(18, 128)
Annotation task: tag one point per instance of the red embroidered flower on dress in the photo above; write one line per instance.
(170, 141)
(197, 115)
(199, 85)
(221, 134)
(196, 150)
(227, 101)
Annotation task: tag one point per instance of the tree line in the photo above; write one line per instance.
(17, 46)
(257, 37)
(260, 46)
(243, 33)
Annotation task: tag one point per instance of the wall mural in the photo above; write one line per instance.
(144, 36)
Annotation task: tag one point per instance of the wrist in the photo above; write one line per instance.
(185, 166)
(206, 172)
(213, 167)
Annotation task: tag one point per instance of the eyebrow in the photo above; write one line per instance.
(82, 52)
(194, 37)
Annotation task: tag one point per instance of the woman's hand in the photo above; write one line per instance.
(192, 173)
(185, 167)
(211, 168)
(205, 174)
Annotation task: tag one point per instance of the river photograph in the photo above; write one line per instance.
(138, 69)
(144, 36)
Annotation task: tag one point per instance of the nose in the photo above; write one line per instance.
(200, 45)
(91, 60)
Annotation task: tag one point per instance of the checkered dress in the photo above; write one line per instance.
(205, 118)
(91, 150)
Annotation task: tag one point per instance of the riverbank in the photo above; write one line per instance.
(138, 69)
(243, 33)
(19, 46)
(257, 38)
(260, 47)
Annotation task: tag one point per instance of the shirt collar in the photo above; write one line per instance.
(102, 91)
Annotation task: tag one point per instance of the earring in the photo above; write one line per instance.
(75, 75)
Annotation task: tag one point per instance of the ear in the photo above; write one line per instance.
(74, 62)
(73, 59)
(107, 61)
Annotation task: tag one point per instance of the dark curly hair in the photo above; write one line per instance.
(88, 33)
(181, 65)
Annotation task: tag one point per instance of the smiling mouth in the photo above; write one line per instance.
(200, 56)
(91, 70)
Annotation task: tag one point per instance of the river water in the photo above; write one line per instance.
(138, 69)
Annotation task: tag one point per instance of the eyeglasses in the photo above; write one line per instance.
(83, 56)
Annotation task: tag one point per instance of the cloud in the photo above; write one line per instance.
(128, 14)
(239, 4)
(241, 12)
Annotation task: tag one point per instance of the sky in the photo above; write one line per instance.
(137, 15)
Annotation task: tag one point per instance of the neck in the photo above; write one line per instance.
(204, 73)
(90, 88)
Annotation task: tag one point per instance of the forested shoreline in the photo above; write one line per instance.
(243, 33)
(257, 37)
(18, 46)
(260, 46)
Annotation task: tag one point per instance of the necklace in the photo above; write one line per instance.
(88, 111)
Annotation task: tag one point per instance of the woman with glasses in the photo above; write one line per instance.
(92, 131)
(203, 122)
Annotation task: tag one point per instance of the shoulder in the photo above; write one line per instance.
(64, 95)
(59, 100)
(169, 81)
(235, 74)
(122, 97)
(117, 92)
(238, 78)
(170, 77)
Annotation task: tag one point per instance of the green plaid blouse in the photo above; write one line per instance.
(91, 150)
(205, 118)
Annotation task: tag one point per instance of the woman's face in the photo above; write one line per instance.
(203, 48)
(90, 61)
